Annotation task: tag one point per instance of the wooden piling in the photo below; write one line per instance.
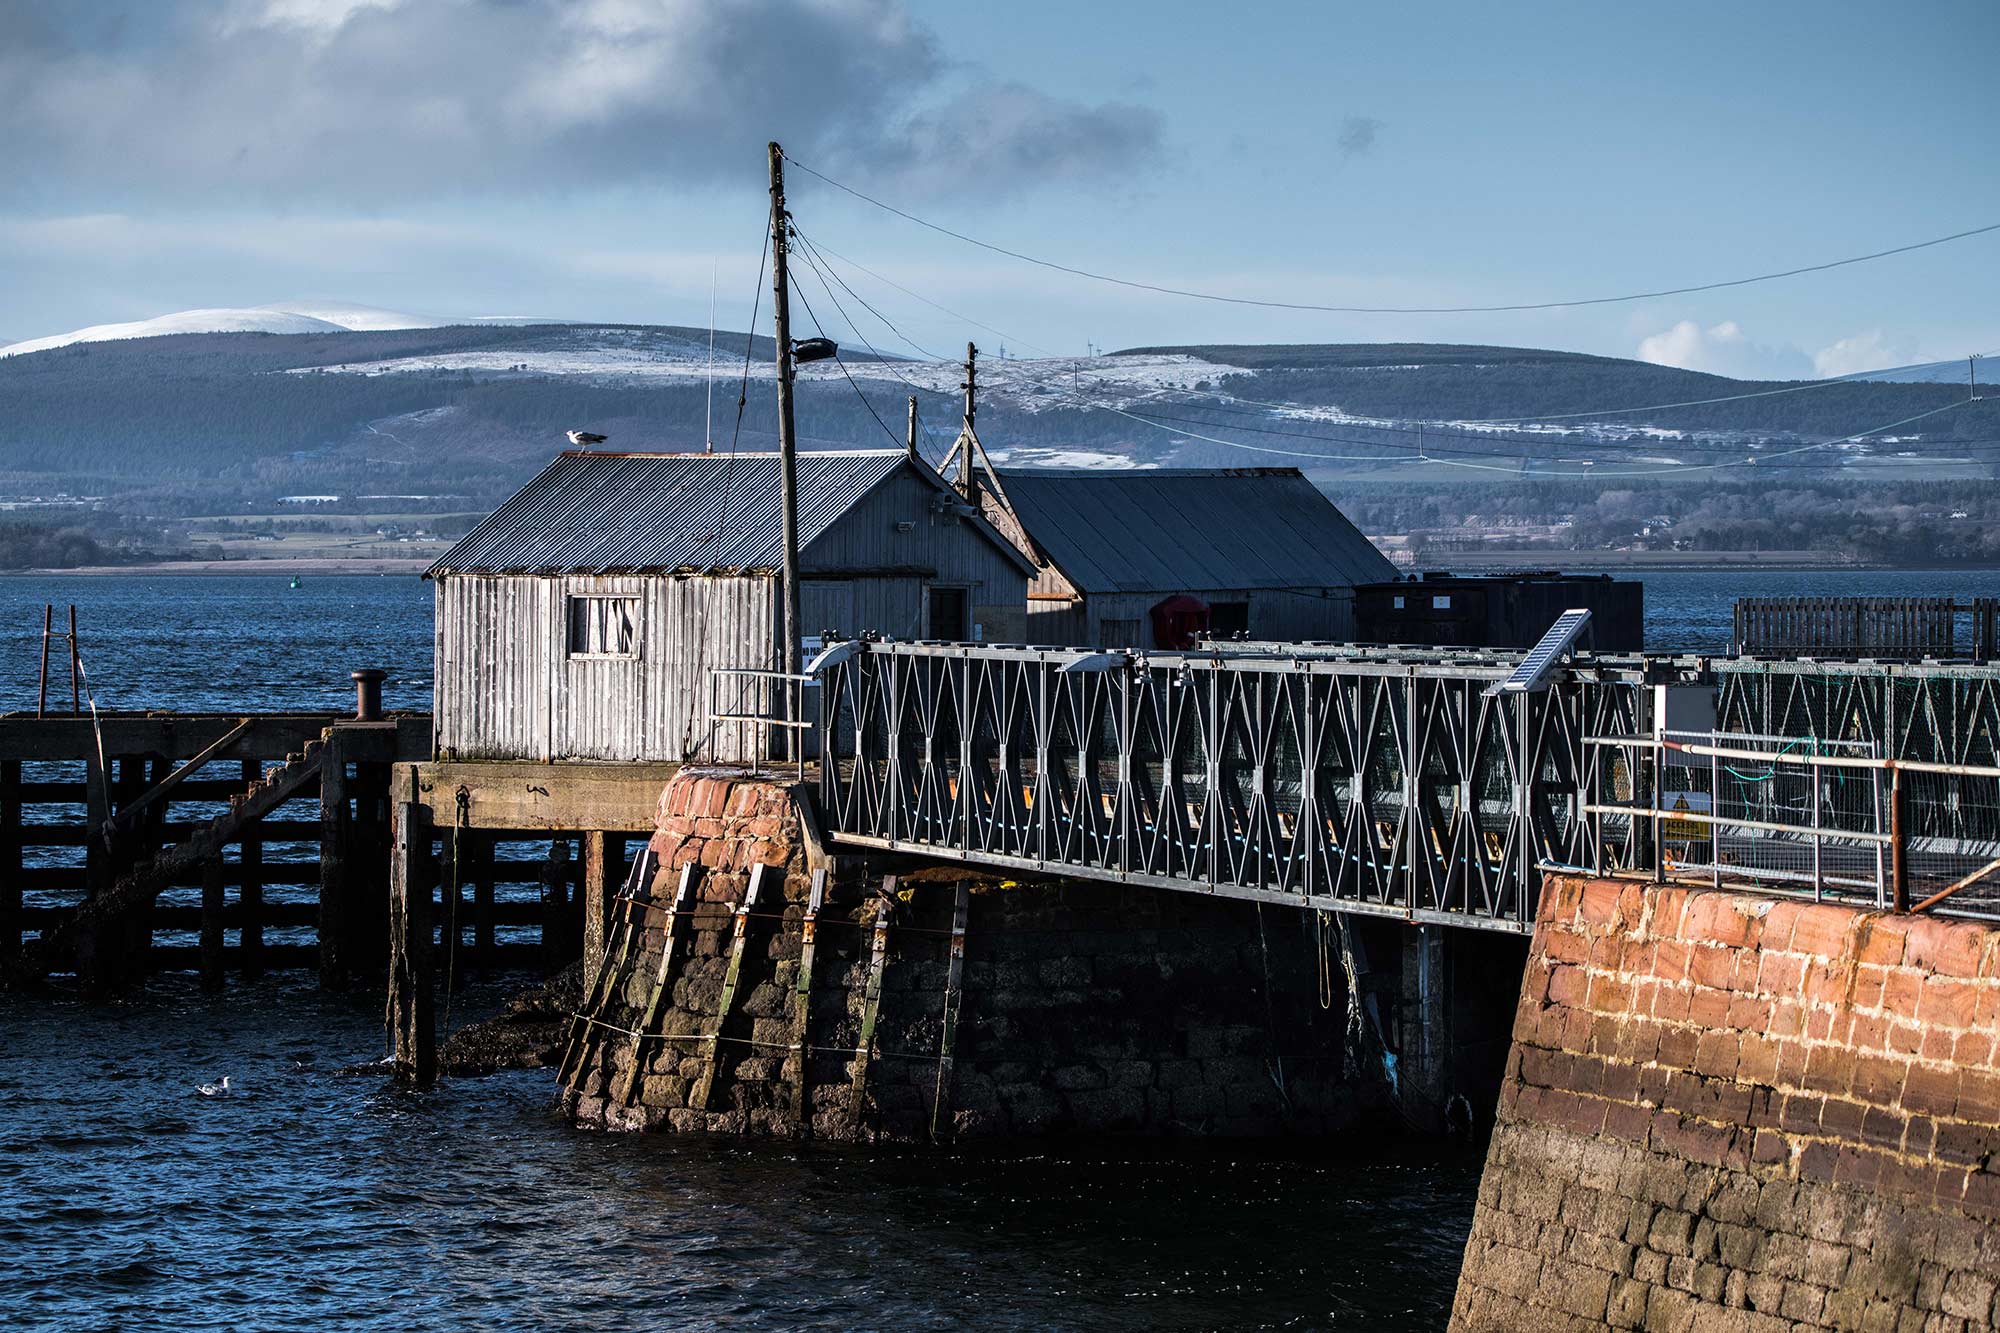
(335, 829)
(482, 847)
(411, 1007)
(250, 890)
(596, 901)
(211, 924)
(10, 858)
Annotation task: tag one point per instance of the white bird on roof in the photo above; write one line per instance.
(583, 439)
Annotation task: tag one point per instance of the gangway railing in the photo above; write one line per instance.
(1833, 818)
(1379, 782)
(757, 716)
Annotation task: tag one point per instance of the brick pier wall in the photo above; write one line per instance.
(1083, 1008)
(1729, 1113)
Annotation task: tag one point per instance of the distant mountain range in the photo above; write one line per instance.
(330, 398)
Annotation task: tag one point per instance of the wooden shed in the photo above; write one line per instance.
(582, 619)
(1261, 550)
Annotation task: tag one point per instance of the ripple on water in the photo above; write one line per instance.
(337, 1202)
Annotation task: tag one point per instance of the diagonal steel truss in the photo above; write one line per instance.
(1356, 782)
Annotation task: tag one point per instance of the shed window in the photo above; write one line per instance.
(604, 627)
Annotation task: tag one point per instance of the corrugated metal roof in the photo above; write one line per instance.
(1190, 529)
(598, 513)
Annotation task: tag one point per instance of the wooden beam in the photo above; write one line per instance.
(663, 981)
(129, 813)
(802, 998)
(555, 798)
(739, 943)
(628, 919)
(953, 988)
(871, 1004)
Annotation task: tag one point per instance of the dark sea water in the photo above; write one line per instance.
(313, 1200)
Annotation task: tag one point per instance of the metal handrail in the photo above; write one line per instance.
(790, 718)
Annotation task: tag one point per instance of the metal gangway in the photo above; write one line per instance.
(1418, 783)
(1414, 784)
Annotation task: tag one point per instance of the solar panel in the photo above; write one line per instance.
(1542, 660)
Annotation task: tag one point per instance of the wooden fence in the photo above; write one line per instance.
(1891, 627)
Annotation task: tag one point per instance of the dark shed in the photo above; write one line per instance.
(1261, 547)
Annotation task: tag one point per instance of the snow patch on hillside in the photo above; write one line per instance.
(357, 318)
(281, 317)
(183, 321)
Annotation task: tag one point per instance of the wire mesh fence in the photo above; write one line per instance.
(1832, 818)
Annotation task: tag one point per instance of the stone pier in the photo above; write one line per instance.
(1724, 1112)
(947, 1005)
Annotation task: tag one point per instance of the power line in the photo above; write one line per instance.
(807, 255)
(1677, 469)
(1388, 310)
(894, 438)
(1856, 377)
(890, 282)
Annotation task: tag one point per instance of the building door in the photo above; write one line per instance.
(826, 604)
(945, 614)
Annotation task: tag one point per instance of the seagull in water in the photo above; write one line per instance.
(583, 439)
(221, 1089)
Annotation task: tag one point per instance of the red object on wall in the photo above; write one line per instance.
(1179, 621)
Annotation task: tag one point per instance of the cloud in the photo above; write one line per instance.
(379, 101)
(1873, 350)
(1357, 135)
(1723, 349)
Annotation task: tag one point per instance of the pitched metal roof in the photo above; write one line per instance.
(600, 513)
(1190, 529)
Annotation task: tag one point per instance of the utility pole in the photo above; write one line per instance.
(788, 448)
(910, 436)
(967, 481)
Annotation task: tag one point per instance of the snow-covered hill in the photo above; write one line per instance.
(282, 317)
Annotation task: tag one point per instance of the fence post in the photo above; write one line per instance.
(1899, 860)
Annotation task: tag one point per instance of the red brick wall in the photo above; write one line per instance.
(1724, 1111)
(725, 823)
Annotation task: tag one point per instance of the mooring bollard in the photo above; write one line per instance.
(368, 694)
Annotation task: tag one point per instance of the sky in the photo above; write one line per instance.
(604, 160)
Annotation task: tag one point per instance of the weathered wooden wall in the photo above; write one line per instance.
(507, 688)
(890, 569)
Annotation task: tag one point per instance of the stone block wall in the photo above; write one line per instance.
(1083, 1008)
(1724, 1112)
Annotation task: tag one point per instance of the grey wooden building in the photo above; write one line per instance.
(582, 618)
(1261, 549)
